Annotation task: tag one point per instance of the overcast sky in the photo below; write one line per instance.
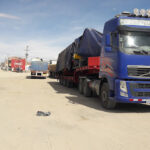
(48, 26)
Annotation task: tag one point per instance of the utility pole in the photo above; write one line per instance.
(26, 53)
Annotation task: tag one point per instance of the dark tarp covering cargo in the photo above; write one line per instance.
(65, 58)
(87, 45)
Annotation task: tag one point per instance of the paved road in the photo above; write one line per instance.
(75, 123)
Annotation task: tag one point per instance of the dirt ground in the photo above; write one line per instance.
(75, 123)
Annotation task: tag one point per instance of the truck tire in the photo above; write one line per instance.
(64, 82)
(71, 84)
(104, 96)
(86, 89)
(60, 81)
(80, 86)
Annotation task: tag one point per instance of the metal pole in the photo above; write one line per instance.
(26, 53)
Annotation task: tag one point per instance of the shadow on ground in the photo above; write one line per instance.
(29, 77)
(94, 102)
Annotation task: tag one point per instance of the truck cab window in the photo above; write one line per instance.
(137, 43)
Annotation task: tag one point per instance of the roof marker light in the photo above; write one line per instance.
(148, 12)
(143, 12)
(136, 11)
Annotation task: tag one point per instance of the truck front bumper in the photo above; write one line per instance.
(136, 92)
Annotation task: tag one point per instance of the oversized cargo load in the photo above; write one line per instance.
(87, 45)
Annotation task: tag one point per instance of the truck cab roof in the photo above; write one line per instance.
(128, 22)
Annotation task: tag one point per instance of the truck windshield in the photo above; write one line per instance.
(137, 43)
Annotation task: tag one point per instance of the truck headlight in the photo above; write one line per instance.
(148, 12)
(143, 12)
(123, 86)
(136, 11)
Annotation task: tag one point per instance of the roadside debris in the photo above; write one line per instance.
(41, 113)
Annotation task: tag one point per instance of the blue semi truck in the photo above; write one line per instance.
(123, 75)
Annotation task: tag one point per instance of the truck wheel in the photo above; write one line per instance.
(71, 84)
(60, 81)
(64, 82)
(86, 89)
(80, 86)
(104, 95)
(68, 84)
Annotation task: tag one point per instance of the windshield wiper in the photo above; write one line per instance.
(146, 52)
(138, 52)
(141, 52)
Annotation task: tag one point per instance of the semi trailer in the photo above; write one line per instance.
(52, 68)
(114, 65)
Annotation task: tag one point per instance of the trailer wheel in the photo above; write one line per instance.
(86, 89)
(80, 86)
(69, 84)
(64, 82)
(104, 95)
(60, 81)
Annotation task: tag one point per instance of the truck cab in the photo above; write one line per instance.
(125, 59)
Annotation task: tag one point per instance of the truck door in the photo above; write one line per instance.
(108, 64)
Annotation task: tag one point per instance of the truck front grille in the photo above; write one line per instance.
(141, 94)
(139, 71)
(139, 86)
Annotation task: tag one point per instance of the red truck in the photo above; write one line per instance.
(18, 64)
